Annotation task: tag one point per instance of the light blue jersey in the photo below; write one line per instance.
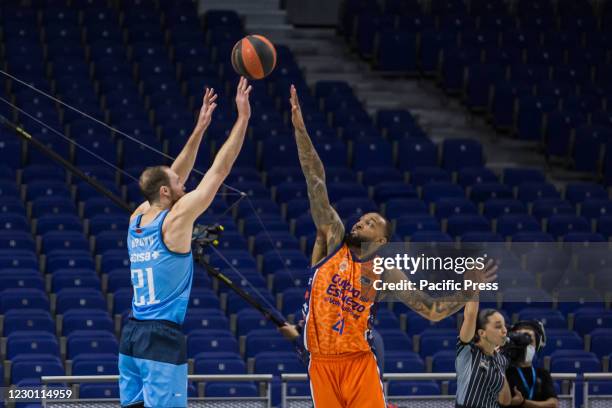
(161, 278)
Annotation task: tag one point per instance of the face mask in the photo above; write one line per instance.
(529, 354)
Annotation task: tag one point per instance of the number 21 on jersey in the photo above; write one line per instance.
(139, 284)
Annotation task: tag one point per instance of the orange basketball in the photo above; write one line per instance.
(254, 57)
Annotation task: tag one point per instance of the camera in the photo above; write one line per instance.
(516, 346)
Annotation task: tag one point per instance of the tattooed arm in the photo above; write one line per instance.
(326, 219)
(437, 308)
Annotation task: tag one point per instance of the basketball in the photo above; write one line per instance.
(254, 57)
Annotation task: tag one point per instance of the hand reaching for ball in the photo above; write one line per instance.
(242, 98)
(296, 112)
(208, 107)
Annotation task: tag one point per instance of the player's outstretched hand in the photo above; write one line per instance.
(296, 111)
(487, 274)
(208, 107)
(242, 98)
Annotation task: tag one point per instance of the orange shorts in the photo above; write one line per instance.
(348, 381)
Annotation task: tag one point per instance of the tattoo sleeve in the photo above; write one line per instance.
(431, 308)
(326, 219)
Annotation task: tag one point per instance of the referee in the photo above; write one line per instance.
(481, 380)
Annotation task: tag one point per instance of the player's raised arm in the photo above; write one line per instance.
(183, 164)
(324, 216)
(437, 308)
(194, 203)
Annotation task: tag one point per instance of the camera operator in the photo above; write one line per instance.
(530, 387)
(480, 367)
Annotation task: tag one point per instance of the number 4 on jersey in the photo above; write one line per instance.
(339, 326)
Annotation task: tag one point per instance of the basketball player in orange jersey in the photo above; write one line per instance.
(340, 300)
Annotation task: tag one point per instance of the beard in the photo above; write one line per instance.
(354, 240)
(174, 196)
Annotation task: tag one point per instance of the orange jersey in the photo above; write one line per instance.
(338, 308)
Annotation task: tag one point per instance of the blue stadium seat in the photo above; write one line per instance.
(389, 190)
(468, 176)
(579, 192)
(402, 388)
(277, 363)
(559, 225)
(552, 319)
(459, 153)
(260, 340)
(604, 226)
(289, 258)
(572, 361)
(486, 191)
(35, 369)
(249, 319)
(229, 389)
(58, 222)
(18, 258)
(601, 339)
(409, 224)
(516, 176)
(79, 299)
(417, 152)
(547, 207)
(95, 364)
(219, 366)
(91, 342)
(374, 175)
(430, 236)
(64, 240)
(588, 319)
(423, 175)
(562, 339)
(97, 391)
(511, 224)
(14, 222)
(446, 207)
(211, 341)
(436, 190)
(38, 343)
(484, 236)
(23, 299)
(495, 208)
(27, 319)
(65, 259)
(531, 191)
(395, 339)
(460, 224)
(444, 361)
(86, 319)
(200, 319)
(403, 361)
(594, 208)
(433, 340)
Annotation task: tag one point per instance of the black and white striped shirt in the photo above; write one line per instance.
(480, 377)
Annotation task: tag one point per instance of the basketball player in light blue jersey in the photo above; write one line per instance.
(152, 353)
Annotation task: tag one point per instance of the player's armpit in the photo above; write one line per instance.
(189, 207)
